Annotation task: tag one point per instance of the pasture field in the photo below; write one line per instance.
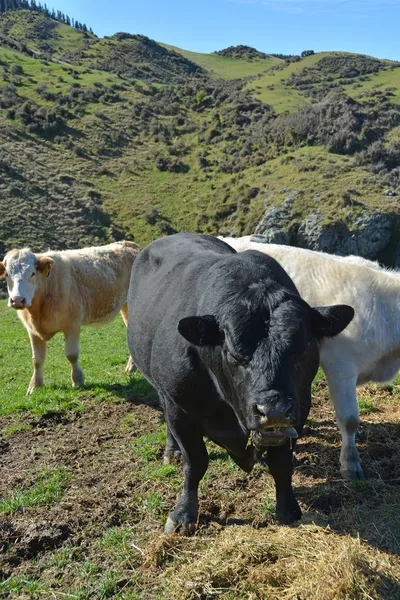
(227, 68)
(84, 494)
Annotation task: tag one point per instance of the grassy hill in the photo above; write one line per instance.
(228, 67)
(293, 83)
(123, 136)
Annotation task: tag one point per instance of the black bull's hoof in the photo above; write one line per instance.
(181, 528)
(288, 511)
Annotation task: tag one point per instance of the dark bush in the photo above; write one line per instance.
(40, 120)
(16, 69)
(152, 216)
(335, 122)
(9, 96)
(379, 157)
(167, 163)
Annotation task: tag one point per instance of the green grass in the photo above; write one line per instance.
(57, 394)
(17, 585)
(49, 74)
(366, 407)
(272, 87)
(227, 68)
(23, 25)
(47, 488)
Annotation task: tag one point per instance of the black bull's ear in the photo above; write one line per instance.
(201, 331)
(330, 320)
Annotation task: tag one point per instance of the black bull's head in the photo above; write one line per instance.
(255, 351)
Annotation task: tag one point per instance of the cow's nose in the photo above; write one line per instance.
(282, 413)
(18, 301)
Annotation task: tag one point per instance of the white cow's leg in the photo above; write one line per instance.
(72, 353)
(39, 348)
(344, 398)
(130, 367)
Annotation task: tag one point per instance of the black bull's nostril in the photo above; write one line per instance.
(278, 413)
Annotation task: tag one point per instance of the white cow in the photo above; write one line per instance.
(368, 349)
(61, 291)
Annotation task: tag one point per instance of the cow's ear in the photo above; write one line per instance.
(328, 321)
(201, 331)
(44, 265)
(2, 269)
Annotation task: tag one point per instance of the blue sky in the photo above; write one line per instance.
(286, 26)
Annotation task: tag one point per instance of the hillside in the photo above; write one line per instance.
(123, 136)
(230, 65)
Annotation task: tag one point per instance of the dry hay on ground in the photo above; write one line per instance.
(282, 563)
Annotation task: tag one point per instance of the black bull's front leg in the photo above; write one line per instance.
(187, 437)
(280, 464)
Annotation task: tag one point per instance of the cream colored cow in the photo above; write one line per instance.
(368, 349)
(61, 291)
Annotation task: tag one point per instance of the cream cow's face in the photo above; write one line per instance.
(21, 269)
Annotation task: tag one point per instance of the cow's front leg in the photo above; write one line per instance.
(195, 462)
(280, 464)
(130, 366)
(39, 348)
(344, 398)
(72, 354)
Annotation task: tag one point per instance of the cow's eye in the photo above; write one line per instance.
(33, 274)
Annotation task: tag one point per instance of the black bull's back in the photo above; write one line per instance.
(189, 276)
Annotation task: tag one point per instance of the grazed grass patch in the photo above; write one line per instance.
(48, 487)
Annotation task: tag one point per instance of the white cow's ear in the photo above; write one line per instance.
(2, 269)
(328, 321)
(44, 265)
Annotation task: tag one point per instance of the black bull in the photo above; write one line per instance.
(232, 349)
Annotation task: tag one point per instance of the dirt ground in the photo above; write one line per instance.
(110, 487)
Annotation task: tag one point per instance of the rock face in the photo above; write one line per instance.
(372, 235)
(275, 224)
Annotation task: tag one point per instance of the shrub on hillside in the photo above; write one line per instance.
(334, 122)
(38, 119)
(16, 69)
(380, 158)
(9, 96)
(152, 216)
(173, 165)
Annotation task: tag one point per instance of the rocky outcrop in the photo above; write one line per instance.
(372, 235)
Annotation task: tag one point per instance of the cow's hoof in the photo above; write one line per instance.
(172, 457)
(130, 367)
(181, 528)
(352, 471)
(288, 514)
(78, 384)
(32, 387)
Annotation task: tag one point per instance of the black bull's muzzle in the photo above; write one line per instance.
(273, 436)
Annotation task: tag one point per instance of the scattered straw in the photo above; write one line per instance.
(281, 563)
